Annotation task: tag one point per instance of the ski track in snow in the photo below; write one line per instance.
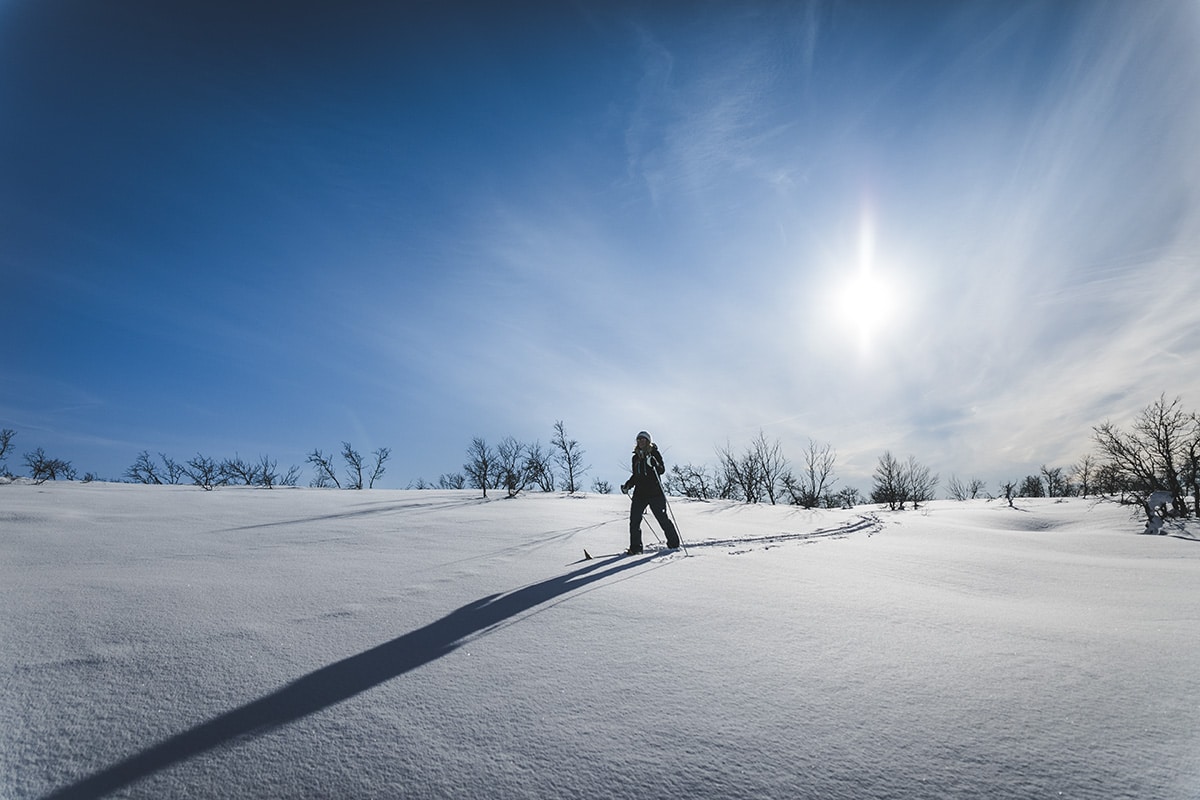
(866, 522)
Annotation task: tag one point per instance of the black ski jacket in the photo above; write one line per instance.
(646, 467)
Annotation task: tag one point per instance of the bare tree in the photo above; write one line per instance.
(1084, 473)
(325, 472)
(173, 469)
(897, 484)
(1056, 485)
(43, 468)
(6, 437)
(816, 480)
(1192, 475)
(725, 487)
(481, 464)
(757, 473)
(741, 474)
(601, 487)
(1155, 455)
(849, 497)
(688, 480)
(291, 477)
(965, 490)
(266, 472)
(204, 472)
(889, 485)
(512, 464)
(539, 466)
(453, 480)
(1108, 480)
(381, 457)
(354, 466)
(772, 465)
(569, 457)
(920, 482)
(238, 472)
(144, 470)
(1031, 486)
(1130, 465)
(1010, 492)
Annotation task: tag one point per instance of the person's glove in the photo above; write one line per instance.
(625, 487)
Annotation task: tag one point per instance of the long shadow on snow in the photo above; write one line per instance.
(339, 681)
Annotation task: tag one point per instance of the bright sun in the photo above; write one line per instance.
(866, 304)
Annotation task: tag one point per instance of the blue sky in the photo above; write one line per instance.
(962, 231)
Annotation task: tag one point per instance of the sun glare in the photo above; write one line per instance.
(866, 302)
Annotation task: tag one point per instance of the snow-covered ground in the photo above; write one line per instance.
(164, 642)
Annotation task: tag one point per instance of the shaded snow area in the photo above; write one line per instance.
(165, 642)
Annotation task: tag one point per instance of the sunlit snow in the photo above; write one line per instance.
(169, 642)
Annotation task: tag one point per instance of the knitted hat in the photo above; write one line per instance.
(645, 435)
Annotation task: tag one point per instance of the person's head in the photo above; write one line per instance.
(643, 439)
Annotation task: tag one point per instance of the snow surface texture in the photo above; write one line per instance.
(163, 642)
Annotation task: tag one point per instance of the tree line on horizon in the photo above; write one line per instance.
(511, 465)
(515, 466)
(1159, 453)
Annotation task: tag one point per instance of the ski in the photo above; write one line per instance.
(649, 551)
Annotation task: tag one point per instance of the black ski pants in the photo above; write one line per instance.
(657, 503)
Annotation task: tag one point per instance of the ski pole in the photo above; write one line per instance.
(657, 538)
(670, 511)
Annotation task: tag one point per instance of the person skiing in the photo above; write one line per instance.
(647, 493)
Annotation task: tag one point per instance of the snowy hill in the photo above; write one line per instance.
(167, 642)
